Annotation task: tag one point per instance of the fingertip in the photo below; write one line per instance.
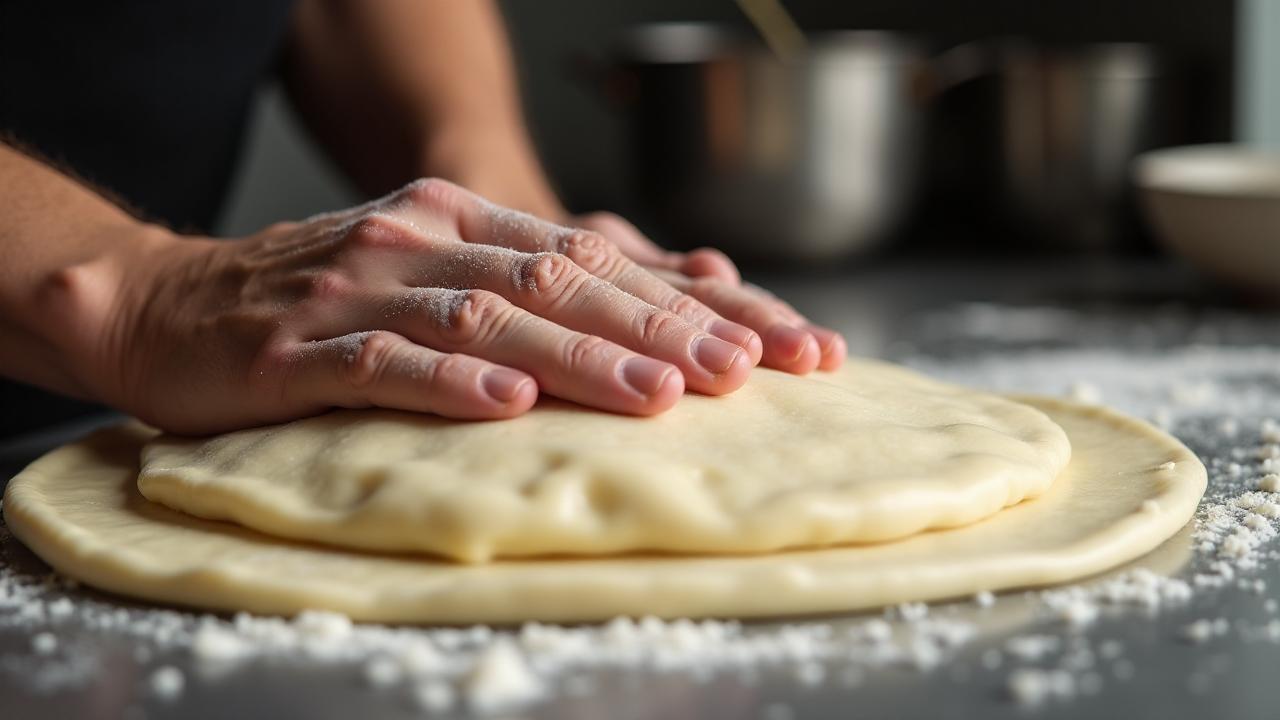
(754, 348)
(669, 393)
(834, 353)
(526, 398)
(832, 345)
(732, 377)
(809, 358)
(511, 391)
(792, 350)
(663, 393)
(740, 335)
(653, 381)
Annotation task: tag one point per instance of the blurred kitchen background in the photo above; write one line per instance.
(998, 127)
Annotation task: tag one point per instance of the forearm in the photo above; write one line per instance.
(398, 89)
(64, 255)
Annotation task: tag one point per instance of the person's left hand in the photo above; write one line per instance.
(791, 342)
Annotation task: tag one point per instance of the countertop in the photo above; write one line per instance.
(1139, 332)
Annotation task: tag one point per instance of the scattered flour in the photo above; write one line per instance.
(167, 682)
(1034, 686)
(1202, 631)
(1062, 652)
(44, 643)
(501, 680)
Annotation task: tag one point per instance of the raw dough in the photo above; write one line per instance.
(79, 509)
(870, 454)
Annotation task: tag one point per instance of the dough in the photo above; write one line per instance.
(79, 509)
(870, 454)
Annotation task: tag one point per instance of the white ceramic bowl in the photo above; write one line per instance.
(1218, 206)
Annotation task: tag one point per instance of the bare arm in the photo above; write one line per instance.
(65, 252)
(399, 89)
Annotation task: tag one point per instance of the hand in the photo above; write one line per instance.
(430, 299)
(791, 342)
(502, 166)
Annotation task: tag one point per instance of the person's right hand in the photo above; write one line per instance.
(430, 299)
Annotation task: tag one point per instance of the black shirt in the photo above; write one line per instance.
(146, 100)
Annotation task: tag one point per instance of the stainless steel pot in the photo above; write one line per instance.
(1070, 121)
(807, 160)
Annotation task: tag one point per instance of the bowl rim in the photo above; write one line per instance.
(1160, 170)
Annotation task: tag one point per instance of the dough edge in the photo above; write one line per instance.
(286, 577)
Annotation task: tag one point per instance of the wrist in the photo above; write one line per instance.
(93, 303)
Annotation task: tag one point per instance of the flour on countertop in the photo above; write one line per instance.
(1057, 652)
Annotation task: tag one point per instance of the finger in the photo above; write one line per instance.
(788, 344)
(384, 369)
(572, 365)
(640, 249)
(832, 345)
(554, 287)
(593, 253)
(484, 223)
(630, 240)
(709, 262)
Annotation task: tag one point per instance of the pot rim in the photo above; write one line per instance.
(685, 43)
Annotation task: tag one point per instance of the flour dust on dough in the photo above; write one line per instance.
(1128, 487)
(872, 453)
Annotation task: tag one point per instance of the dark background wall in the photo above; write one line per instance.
(583, 139)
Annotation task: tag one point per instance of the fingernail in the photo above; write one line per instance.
(834, 346)
(740, 335)
(503, 384)
(791, 342)
(646, 375)
(715, 355)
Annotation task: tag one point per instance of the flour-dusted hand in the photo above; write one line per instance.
(430, 299)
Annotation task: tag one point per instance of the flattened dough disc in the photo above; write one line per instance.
(872, 453)
(79, 509)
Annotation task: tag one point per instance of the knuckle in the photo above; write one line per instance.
(330, 284)
(366, 364)
(433, 193)
(658, 324)
(546, 274)
(446, 368)
(592, 252)
(377, 231)
(687, 306)
(475, 315)
(585, 351)
(273, 360)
